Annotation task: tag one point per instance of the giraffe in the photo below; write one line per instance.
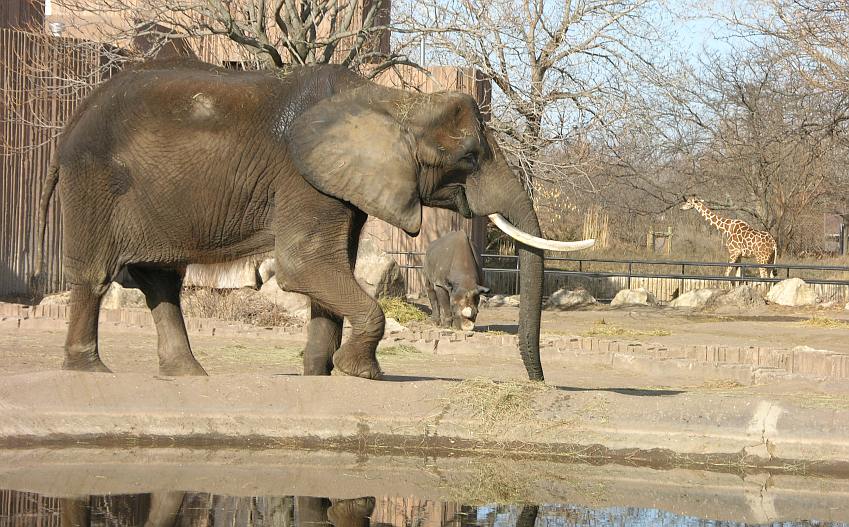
(741, 240)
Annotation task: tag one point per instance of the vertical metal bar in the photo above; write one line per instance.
(629, 274)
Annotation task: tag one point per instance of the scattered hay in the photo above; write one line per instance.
(824, 323)
(497, 402)
(720, 384)
(603, 329)
(400, 350)
(401, 310)
(240, 354)
(493, 482)
(238, 305)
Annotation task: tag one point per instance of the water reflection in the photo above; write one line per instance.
(195, 509)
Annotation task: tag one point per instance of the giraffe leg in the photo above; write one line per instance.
(734, 258)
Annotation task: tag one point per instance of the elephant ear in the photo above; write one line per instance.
(357, 152)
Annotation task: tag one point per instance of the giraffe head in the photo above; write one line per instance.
(690, 202)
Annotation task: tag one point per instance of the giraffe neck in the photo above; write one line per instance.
(722, 224)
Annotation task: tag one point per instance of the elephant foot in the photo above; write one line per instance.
(182, 369)
(86, 363)
(357, 365)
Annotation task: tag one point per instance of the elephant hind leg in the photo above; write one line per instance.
(324, 336)
(161, 288)
(81, 351)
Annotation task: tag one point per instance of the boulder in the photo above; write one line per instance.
(228, 275)
(118, 296)
(377, 272)
(744, 296)
(564, 300)
(501, 301)
(697, 298)
(392, 326)
(632, 297)
(295, 304)
(56, 299)
(267, 269)
(792, 292)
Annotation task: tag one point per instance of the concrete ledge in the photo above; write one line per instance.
(61, 407)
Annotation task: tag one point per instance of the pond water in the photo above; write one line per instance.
(290, 488)
(205, 509)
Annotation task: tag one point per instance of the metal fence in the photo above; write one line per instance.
(603, 278)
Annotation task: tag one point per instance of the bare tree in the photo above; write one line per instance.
(760, 151)
(261, 33)
(559, 69)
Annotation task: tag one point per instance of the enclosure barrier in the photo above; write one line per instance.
(666, 279)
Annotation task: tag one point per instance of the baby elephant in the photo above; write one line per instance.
(453, 276)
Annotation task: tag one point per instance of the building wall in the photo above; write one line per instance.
(34, 103)
(21, 13)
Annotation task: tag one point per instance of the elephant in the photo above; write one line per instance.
(453, 278)
(176, 162)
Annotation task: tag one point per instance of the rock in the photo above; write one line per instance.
(563, 299)
(501, 301)
(392, 326)
(792, 292)
(267, 269)
(228, 275)
(697, 298)
(118, 296)
(744, 296)
(631, 297)
(295, 304)
(57, 299)
(377, 272)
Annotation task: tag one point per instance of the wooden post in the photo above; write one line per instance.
(669, 240)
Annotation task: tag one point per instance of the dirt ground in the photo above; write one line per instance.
(133, 349)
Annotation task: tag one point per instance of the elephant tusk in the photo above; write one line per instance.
(535, 241)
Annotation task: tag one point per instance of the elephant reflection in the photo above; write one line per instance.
(177, 509)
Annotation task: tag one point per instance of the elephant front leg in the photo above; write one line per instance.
(324, 336)
(330, 283)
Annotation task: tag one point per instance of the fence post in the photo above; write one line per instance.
(629, 275)
(669, 240)
(516, 290)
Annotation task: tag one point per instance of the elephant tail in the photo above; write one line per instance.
(37, 280)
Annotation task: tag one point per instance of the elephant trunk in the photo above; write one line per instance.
(498, 191)
(522, 215)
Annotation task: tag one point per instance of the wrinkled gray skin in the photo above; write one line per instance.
(183, 162)
(453, 279)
